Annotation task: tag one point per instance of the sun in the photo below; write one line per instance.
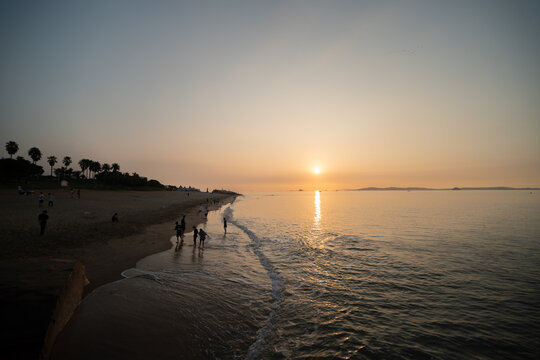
(316, 171)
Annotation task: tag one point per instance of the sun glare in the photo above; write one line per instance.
(317, 171)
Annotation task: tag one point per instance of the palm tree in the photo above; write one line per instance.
(95, 167)
(106, 167)
(115, 167)
(66, 161)
(12, 147)
(84, 164)
(35, 154)
(66, 172)
(52, 160)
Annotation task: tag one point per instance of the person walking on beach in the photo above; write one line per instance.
(183, 224)
(115, 218)
(206, 213)
(225, 225)
(41, 198)
(178, 229)
(50, 198)
(195, 233)
(202, 236)
(42, 218)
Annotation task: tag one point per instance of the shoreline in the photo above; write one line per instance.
(160, 233)
(206, 302)
(30, 284)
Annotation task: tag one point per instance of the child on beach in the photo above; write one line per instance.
(50, 198)
(178, 229)
(41, 198)
(202, 236)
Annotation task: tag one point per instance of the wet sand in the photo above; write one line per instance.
(188, 302)
(34, 268)
(137, 318)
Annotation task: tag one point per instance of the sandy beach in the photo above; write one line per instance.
(34, 268)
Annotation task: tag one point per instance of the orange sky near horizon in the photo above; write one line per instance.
(253, 97)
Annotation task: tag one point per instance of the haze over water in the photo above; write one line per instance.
(374, 93)
(361, 275)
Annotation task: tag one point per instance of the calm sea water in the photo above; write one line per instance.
(339, 275)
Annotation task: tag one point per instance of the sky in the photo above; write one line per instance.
(254, 95)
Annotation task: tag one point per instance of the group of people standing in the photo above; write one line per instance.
(201, 234)
(181, 229)
(205, 210)
(197, 233)
(41, 199)
(43, 217)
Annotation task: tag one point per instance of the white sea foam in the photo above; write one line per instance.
(264, 333)
(133, 272)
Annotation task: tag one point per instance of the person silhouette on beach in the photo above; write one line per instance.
(114, 218)
(202, 237)
(195, 233)
(41, 198)
(183, 224)
(178, 229)
(50, 198)
(78, 193)
(225, 225)
(42, 218)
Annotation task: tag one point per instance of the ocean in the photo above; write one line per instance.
(332, 275)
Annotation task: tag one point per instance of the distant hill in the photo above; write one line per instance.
(427, 189)
(393, 189)
(497, 188)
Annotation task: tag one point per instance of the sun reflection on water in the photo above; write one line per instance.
(317, 217)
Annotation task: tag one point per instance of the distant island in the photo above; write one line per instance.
(428, 189)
